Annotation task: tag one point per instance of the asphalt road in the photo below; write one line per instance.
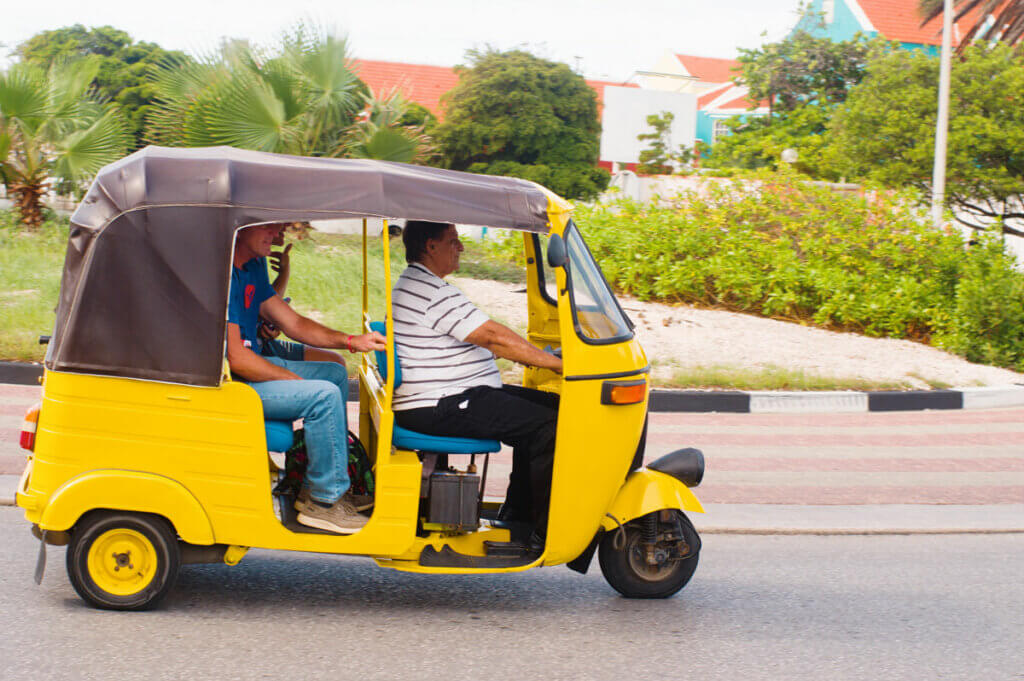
(759, 607)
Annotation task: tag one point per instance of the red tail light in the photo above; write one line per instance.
(28, 428)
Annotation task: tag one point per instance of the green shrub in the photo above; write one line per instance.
(773, 245)
(987, 321)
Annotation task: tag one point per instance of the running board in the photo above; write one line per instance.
(448, 558)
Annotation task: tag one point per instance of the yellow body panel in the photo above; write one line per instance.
(104, 442)
(128, 491)
(647, 491)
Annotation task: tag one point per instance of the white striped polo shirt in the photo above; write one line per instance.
(432, 319)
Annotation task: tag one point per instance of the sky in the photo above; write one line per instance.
(604, 39)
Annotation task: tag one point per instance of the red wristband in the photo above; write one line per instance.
(348, 344)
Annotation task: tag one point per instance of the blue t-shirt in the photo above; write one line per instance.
(250, 286)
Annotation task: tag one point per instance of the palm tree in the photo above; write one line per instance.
(303, 99)
(54, 127)
(1007, 23)
(381, 135)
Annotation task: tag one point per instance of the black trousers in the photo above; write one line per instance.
(523, 418)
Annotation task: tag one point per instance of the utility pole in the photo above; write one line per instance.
(942, 123)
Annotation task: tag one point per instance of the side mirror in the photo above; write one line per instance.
(557, 255)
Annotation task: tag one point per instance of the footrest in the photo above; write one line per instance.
(447, 557)
(504, 548)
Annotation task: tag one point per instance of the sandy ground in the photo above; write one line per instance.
(676, 337)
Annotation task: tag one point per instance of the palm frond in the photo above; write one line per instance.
(23, 96)
(995, 20)
(85, 151)
(385, 144)
(178, 84)
(246, 113)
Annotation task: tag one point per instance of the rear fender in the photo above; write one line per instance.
(128, 491)
(646, 491)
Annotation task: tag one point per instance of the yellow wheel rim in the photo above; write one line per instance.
(122, 562)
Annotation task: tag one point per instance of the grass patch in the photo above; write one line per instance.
(770, 378)
(933, 383)
(30, 269)
(489, 259)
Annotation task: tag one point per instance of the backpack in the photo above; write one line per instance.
(360, 471)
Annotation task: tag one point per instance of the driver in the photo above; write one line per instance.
(450, 382)
(290, 390)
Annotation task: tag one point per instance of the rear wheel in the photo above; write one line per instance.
(650, 557)
(123, 561)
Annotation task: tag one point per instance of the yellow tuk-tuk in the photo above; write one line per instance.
(145, 455)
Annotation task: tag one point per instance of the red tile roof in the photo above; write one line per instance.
(899, 20)
(425, 84)
(418, 83)
(710, 69)
(713, 94)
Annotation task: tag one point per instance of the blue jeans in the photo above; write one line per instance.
(320, 401)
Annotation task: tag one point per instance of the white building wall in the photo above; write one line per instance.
(625, 116)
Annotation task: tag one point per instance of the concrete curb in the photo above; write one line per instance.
(734, 401)
(780, 402)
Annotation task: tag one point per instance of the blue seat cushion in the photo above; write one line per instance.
(280, 435)
(382, 358)
(407, 439)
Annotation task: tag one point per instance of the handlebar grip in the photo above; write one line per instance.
(44, 340)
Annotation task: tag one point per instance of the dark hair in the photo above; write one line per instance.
(416, 234)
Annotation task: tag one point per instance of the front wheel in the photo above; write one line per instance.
(123, 561)
(651, 557)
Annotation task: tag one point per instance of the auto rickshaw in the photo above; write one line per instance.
(144, 454)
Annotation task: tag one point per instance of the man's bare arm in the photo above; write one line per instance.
(310, 332)
(251, 366)
(506, 343)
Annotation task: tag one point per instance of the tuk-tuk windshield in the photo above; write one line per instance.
(596, 314)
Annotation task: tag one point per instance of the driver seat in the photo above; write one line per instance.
(403, 438)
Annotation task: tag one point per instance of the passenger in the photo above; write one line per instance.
(450, 382)
(289, 390)
(270, 345)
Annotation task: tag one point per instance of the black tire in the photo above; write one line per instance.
(141, 567)
(627, 571)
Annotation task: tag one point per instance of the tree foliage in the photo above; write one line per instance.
(803, 69)
(886, 130)
(54, 127)
(300, 97)
(758, 142)
(121, 74)
(529, 116)
(804, 78)
(659, 158)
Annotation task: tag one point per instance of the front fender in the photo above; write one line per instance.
(128, 491)
(646, 491)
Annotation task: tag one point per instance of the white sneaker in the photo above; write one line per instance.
(342, 517)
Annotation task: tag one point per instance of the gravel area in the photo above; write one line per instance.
(679, 336)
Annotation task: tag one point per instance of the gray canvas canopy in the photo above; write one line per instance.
(145, 284)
